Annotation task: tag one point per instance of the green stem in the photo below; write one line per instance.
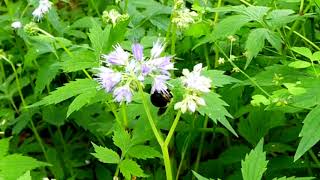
(124, 114)
(3, 74)
(164, 148)
(205, 123)
(63, 47)
(167, 163)
(216, 14)
(95, 7)
(150, 119)
(245, 74)
(206, 56)
(172, 129)
(304, 38)
(173, 39)
(25, 105)
(314, 157)
(301, 7)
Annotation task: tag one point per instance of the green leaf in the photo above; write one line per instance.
(299, 64)
(215, 109)
(15, 165)
(143, 152)
(26, 176)
(256, 13)
(310, 132)
(255, 43)
(229, 26)
(45, 75)
(54, 114)
(69, 90)
(121, 138)
(130, 168)
(254, 164)
(81, 101)
(98, 37)
(218, 78)
(259, 99)
(80, 59)
(198, 176)
(280, 17)
(105, 155)
(303, 51)
(4, 147)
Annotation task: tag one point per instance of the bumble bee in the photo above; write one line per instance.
(161, 100)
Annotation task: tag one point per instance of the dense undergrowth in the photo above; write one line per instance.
(159, 89)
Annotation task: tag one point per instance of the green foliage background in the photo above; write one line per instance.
(261, 120)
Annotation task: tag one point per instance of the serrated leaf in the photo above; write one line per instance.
(310, 132)
(299, 64)
(254, 164)
(122, 139)
(81, 101)
(98, 37)
(255, 43)
(229, 26)
(67, 91)
(45, 75)
(218, 78)
(130, 168)
(143, 152)
(303, 51)
(80, 59)
(216, 111)
(4, 147)
(105, 155)
(15, 165)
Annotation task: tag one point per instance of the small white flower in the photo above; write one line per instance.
(184, 18)
(235, 69)
(221, 60)
(113, 16)
(232, 38)
(189, 103)
(43, 8)
(16, 25)
(195, 81)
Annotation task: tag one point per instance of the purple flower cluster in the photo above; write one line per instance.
(123, 70)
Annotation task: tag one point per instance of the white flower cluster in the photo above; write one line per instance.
(195, 85)
(113, 16)
(43, 8)
(184, 17)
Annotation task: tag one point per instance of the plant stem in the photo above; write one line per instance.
(173, 39)
(172, 129)
(216, 14)
(304, 38)
(63, 47)
(164, 147)
(124, 115)
(167, 163)
(301, 7)
(245, 74)
(314, 157)
(205, 123)
(150, 119)
(33, 128)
